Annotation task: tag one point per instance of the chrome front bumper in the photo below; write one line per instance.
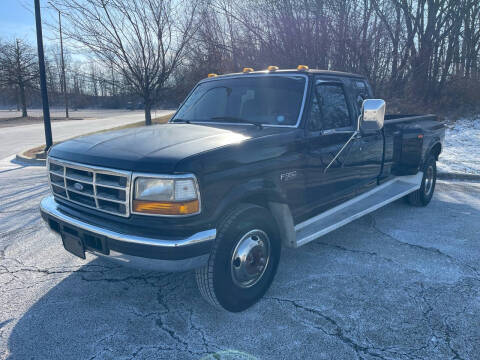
(57, 220)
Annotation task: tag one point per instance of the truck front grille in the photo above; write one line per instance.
(97, 188)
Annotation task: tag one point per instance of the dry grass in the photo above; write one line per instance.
(158, 120)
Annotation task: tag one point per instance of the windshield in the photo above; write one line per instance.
(267, 100)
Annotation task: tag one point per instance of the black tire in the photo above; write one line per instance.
(422, 196)
(217, 281)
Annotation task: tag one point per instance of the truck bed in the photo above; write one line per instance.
(408, 138)
(401, 118)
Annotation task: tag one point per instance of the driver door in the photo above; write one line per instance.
(329, 128)
(332, 122)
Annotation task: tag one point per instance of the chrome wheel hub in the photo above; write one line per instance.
(429, 180)
(250, 258)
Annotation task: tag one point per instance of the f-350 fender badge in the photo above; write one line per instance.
(287, 176)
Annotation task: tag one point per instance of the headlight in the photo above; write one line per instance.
(166, 196)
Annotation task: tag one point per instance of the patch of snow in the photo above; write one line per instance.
(461, 150)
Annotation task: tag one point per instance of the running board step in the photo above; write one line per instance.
(355, 208)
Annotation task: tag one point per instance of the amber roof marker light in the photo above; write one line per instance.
(302, 67)
(212, 75)
(247, 70)
(272, 68)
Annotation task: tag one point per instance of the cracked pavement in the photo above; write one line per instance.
(401, 283)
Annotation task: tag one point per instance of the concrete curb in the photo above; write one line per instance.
(457, 176)
(21, 158)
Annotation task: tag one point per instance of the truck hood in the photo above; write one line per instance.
(156, 148)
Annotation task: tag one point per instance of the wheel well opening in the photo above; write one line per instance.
(257, 199)
(436, 150)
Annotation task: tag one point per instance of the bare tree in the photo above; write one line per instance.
(411, 48)
(420, 50)
(144, 40)
(19, 68)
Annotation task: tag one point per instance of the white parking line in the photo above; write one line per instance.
(7, 164)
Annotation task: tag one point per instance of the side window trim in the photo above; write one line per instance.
(350, 108)
(359, 93)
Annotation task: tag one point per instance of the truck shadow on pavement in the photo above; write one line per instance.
(373, 289)
(104, 311)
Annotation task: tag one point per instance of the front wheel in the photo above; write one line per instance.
(243, 261)
(422, 196)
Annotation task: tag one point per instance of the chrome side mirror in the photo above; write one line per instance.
(373, 115)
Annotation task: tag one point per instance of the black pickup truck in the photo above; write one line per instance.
(250, 163)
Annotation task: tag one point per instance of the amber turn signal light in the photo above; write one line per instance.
(166, 208)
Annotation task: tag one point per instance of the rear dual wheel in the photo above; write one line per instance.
(422, 196)
(243, 261)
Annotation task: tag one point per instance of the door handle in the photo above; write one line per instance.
(334, 131)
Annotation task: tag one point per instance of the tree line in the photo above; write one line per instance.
(418, 53)
(423, 51)
(88, 82)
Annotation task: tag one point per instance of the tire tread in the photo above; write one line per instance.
(204, 275)
(416, 198)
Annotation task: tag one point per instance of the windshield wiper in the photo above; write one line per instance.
(181, 120)
(237, 119)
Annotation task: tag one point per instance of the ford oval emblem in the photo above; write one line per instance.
(78, 186)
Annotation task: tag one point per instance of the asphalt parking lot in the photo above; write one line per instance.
(401, 283)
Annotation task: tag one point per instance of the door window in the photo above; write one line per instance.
(329, 109)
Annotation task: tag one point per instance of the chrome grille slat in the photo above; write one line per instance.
(110, 186)
(112, 200)
(79, 180)
(80, 193)
(98, 188)
(100, 197)
(56, 173)
(104, 180)
(60, 196)
(65, 182)
(57, 179)
(84, 179)
(95, 191)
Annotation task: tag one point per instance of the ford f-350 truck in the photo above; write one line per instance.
(250, 163)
